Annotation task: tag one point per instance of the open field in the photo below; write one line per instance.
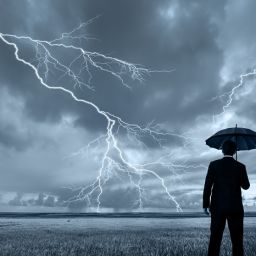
(97, 236)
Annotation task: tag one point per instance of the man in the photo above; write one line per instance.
(222, 196)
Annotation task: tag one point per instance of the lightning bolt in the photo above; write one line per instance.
(230, 94)
(48, 65)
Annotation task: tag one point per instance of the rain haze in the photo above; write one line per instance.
(191, 55)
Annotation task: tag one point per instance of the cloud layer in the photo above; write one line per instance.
(43, 133)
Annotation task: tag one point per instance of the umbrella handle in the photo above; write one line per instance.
(236, 143)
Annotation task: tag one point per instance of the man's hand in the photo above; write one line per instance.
(206, 211)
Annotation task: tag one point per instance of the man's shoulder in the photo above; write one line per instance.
(217, 161)
(220, 160)
(240, 164)
(215, 164)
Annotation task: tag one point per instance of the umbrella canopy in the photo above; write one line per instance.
(244, 138)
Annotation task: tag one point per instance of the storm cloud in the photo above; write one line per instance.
(206, 46)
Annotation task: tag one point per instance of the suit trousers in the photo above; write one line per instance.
(235, 225)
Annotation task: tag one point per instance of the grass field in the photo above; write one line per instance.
(115, 237)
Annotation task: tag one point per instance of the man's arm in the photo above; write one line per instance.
(245, 184)
(208, 187)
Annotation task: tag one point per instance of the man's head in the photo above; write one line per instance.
(229, 147)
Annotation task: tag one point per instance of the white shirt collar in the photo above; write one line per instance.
(227, 156)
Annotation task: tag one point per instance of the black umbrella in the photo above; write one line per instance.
(244, 138)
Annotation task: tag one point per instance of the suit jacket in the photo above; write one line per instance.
(223, 183)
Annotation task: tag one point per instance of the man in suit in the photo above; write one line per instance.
(222, 196)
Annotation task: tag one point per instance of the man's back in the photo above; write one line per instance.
(223, 182)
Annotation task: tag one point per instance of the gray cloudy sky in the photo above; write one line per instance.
(44, 133)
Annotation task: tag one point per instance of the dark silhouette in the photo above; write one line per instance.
(222, 195)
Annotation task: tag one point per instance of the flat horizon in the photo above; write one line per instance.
(110, 215)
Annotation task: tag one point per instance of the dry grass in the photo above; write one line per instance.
(190, 242)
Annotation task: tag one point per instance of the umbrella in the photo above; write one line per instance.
(244, 138)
